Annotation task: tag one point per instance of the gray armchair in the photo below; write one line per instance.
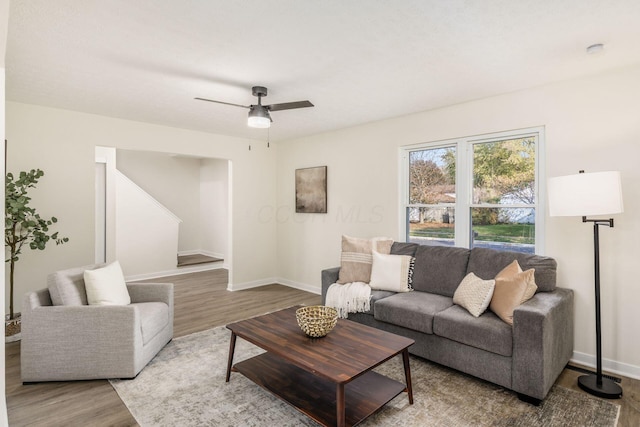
(70, 340)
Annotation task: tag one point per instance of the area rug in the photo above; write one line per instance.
(184, 385)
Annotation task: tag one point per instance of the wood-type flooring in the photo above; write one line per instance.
(201, 302)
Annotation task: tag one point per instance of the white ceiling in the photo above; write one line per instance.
(357, 60)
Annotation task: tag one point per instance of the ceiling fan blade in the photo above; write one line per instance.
(288, 105)
(221, 102)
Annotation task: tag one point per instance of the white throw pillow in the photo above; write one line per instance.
(355, 259)
(474, 294)
(390, 272)
(106, 286)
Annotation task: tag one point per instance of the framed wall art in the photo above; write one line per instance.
(311, 190)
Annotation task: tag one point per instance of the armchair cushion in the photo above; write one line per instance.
(67, 286)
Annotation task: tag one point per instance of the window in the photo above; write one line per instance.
(475, 192)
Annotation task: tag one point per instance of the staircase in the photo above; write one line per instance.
(196, 259)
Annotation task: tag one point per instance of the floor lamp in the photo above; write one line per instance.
(586, 194)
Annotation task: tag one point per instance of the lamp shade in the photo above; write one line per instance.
(584, 194)
(258, 117)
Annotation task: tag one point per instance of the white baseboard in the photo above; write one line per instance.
(271, 281)
(251, 285)
(612, 366)
(175, 272)
(298, 285)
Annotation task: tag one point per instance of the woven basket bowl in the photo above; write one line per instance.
(317, 320)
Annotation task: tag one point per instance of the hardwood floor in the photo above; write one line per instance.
(201, 302)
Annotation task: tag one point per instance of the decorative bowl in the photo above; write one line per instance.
(316, 320)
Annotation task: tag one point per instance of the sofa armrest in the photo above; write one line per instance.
(151, 292)
(542, 341)
(329, 277)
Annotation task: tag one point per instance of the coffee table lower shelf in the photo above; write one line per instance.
(315, 396)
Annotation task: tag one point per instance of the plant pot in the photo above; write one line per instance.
(12, 328)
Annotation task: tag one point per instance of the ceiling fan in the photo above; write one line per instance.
(259, 116)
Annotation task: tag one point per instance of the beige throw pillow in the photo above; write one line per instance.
(390, 272)
(513, 269)
(512, 290)
(474, 294)
(356, 259)
(510, 270)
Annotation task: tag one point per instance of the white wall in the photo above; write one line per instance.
(62, 143)
(214, 204)
(591, 124)
(173, 181)
(146, 232)
(195, 189)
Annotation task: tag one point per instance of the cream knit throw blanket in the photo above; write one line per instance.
(349, 298)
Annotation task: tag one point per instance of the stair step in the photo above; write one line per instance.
(185, 260)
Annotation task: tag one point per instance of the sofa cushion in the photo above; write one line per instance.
(376, 296)
(486, 332)
(474, 294)
(355, 259)
(487, 263)
(391, 272)
(154, 317)
(66, 287)
(413, 310)
(440, 269)
(402, 248)
(106, 286)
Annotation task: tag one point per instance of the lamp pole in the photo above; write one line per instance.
(596, 384)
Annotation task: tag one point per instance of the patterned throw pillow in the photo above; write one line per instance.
(356, 258)
(391, 272)
(513, 287)
(474, 294)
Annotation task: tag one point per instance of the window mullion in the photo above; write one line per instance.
(463, 194)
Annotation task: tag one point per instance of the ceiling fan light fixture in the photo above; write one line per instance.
(259, 117)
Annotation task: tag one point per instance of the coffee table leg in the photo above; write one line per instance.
(232, 348)
(340, 409)
(407, 374)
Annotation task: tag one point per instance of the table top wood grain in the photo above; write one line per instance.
(347, 352)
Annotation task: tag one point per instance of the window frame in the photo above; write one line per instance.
(464, 183)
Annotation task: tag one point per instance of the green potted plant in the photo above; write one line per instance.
(23, 225)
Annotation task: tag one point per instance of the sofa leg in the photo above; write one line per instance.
(530, 400)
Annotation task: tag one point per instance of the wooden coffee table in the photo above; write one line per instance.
(329, 379)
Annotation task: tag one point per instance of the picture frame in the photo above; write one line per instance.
(311, 190)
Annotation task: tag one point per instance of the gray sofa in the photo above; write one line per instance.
(526, 357)
(77, 341)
